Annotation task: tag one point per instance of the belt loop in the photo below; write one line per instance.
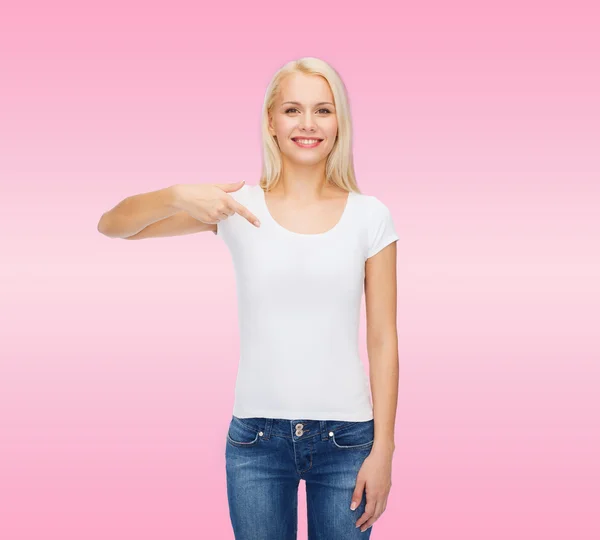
(324, 432)
(268, 427)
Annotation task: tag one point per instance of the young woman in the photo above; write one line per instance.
(304, 242)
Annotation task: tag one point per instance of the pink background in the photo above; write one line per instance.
(477, 124)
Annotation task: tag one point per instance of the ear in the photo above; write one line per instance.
(271, 130)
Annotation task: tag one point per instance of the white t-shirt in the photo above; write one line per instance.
(299, 299)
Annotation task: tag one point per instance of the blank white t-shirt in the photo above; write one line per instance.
(299, 298)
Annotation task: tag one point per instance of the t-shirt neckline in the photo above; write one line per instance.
(293, 233)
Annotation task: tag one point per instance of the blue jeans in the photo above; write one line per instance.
(265, 460)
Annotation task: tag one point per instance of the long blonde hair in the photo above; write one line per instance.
(339, 168)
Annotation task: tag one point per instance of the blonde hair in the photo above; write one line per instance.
(339, 168)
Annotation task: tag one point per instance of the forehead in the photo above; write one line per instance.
(305, 89)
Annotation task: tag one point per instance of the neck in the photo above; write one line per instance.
(302, 182)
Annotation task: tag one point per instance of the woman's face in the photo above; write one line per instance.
(313, 115)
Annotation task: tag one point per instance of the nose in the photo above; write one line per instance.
(308, 124)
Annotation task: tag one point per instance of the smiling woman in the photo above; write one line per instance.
(305, 245)
(300, 279)
(300, 114)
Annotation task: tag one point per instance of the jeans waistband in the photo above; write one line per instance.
(287, 428)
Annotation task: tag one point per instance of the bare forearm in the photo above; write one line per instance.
(384, 375)
(135, 213)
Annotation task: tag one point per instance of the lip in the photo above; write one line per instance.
(314, 145)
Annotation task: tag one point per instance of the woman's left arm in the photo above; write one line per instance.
(375, 475)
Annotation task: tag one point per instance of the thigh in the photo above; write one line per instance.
(262, 490)
(331, 482)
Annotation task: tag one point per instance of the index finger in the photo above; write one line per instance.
(244, 212)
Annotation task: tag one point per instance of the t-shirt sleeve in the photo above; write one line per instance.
(381, 228)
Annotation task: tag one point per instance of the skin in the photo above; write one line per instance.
(375, 474)
(303, 197)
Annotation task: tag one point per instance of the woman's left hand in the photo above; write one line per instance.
(374, 476)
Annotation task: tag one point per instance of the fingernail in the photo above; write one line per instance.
(353, 506)
(257, 223)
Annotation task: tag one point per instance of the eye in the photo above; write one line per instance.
(327, 111)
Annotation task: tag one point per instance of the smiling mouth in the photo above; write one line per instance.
(307, 143)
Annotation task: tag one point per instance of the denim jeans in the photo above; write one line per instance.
(265, 460)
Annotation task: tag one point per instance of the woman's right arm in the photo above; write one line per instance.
(172, 211)
(137, 212)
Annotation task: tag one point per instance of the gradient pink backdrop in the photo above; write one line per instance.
(477, 124)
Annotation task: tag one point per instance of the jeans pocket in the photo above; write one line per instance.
(242, 435)
(359, 435)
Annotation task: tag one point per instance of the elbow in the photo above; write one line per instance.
(383, 339)
(104, 227)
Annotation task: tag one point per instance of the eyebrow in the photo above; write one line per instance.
(316, 104)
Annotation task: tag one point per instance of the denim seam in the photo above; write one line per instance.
(338, 430)
(348, 447)
(242, 443)
(311, 460)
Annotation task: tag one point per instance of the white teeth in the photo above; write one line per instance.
(307, 141)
